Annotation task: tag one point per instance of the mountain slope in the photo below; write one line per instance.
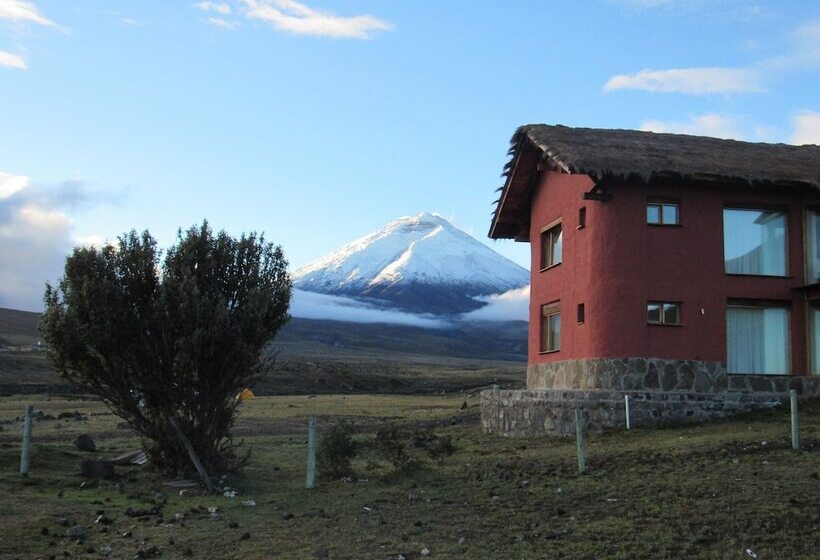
(418, 263)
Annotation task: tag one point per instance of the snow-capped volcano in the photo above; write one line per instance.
(418, 263)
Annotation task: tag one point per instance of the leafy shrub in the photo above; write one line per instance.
(336, 449)
(391, 445)
(439, 448)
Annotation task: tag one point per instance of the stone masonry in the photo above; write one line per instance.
(552, 412)
(661, 392)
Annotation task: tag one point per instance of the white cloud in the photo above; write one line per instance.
(513, 305)
(696, 81)
(10, 60)
(310, 305)
(35, 236)
(717, 126)
(223, 23)
(806, 128)
(20, 11)
(217, 7)
(293, 17)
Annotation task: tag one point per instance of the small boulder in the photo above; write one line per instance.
(97, 468)
(85, 443)
(77, 532)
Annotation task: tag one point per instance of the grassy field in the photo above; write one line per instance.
(709, 491)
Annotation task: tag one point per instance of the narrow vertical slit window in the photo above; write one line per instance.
(550, 327)
(580, 313)
(582, 217)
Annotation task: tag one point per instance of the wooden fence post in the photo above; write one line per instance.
(795, 420)
(311, 457)
(25, 455)
(579, 436)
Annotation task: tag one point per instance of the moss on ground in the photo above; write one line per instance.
(706, 491)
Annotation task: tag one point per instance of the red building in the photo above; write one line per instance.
(666, 262)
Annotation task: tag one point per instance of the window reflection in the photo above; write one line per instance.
(754, 242)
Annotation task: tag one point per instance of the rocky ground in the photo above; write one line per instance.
(731, 489)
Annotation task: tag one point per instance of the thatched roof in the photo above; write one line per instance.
(628, 155)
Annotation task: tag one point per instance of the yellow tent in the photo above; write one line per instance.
(245, 395)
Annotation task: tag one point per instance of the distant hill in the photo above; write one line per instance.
(334, 356)
(419, 263)
(18, 328)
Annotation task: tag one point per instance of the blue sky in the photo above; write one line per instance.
(319, 121)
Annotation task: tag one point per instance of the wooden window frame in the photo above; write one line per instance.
(786, 241)
(547, 311)
(660, 203)
(663, 322)
(547, 256)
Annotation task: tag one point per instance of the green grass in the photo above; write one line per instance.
(707, 491)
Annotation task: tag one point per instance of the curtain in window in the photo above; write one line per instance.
(813, 249)
(757, 340)
(754, 242)
(814, 340)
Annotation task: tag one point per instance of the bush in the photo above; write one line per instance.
(168, 345)
(391, 444)
(439, 448)
(336, 449)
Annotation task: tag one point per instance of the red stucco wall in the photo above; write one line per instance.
(617, 263)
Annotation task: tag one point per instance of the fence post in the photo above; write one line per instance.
(626, 405)
(311, 458)
(24, 456)
(579, 436)
(795, 421)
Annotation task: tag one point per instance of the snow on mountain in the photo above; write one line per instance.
(419, 263)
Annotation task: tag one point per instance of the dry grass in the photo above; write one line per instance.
(710, 491)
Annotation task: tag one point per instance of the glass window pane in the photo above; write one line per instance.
(814, 339)
(671, 313)
(653, 313)
(670, 213)
(757, 340)
(813, 249)
(557, 245)
(653, 214)
(555, 332)
(754, 242)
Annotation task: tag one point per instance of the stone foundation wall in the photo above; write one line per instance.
(657, 374)
(552, 412)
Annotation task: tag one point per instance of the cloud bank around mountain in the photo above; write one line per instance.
(312, 305)
(513, 305)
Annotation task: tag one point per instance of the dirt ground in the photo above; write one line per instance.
(731, 489)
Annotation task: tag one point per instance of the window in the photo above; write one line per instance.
(552, 244)
(814, 339)
(580, 313)
(662, 213)
(757, 339)
(663, 313)
(754, 242)
(550, 327)
(812, 247)
(582, 217)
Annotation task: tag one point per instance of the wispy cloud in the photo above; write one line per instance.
(806, 128)
(294, 17)
(310, 305)
(22, 12)
(508, 306)
(696, 81)
(223, 23)
(218, 7)
(10, 60)
(802, 53)
(715, 125)
(36, 235)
